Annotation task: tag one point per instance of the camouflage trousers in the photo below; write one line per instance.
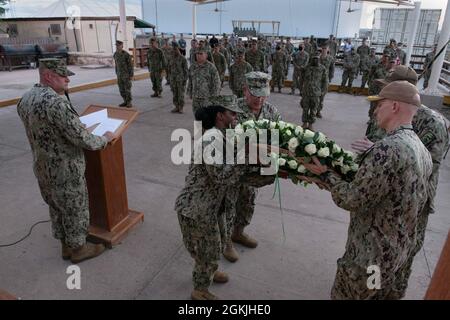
(278, 79)
(178, 89)
(202, 239)
(310, 105)
(297, 81)
(245, 206)
(69, 211)
(349, 76)
(365, 78)
(222, 77)
(156, 78)
(125, 89)
(228, 210)
(198, 103)
(322, 97)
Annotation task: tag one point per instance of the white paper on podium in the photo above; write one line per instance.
(94, 118)
(108, 124)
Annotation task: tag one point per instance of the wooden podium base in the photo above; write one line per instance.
(115, 236)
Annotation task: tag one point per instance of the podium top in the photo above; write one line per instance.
(126, 114)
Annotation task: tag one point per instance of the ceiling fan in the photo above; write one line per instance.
(217, 8)
(350, 10)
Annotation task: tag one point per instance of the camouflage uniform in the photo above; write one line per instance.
(363, 51)
(124, 72)
(221, 64)
(178, 71)
(168, 54)
(256, 60)
(57, 139)
(300, 61)
(315, 81)
(227, 54)
(307, 47)
(201, 220)
(428, 58)
(390, 52)
(384, 200)
(378, 71)
(365, 66)
(401, 56)
(247, 195)
(328, 63)
(278, 69)
(333, 46)
(156, 64)
(237, 77)
(204, 82)
(351, 65)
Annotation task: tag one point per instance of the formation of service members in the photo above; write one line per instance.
(156, 63)
(178, 75)
(125, 72)
(279, 62)
(350, 66)
(300, 61)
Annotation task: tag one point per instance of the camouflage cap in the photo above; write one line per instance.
(229, 102)
(241, 51)
(201, 50)
(258, 83)
(399, 72)
(58, 66)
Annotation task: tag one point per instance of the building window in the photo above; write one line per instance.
(55, 29)
(12, 30)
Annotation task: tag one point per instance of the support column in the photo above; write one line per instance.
(123, 24)
(194, 20)
(413, 32)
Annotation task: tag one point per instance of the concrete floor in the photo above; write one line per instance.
(152, 263)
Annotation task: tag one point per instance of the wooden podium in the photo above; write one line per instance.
(110, 217)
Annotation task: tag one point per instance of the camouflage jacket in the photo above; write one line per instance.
(256, 59)
(332, 45)
(168, 53)
(363, 50)
(431, 128)
(300, 61)
(220, 62)
(368, 62)
(384, 200)
(226, 53)
(57, 137)
(378, 71)
(204, 81)
(124, 64)
(268, 111)
(401, 56)
(206, 186)
(315, 81)
(279, 62)
(328, 63)
(237, 75)
(156, 60)
(178, 69)
(351, 62)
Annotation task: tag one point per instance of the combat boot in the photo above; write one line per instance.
(87, 251)
(311, 127)
(305, 125)
(279, 90)
(319, 115)
(66, 252)
(220, 277)
(174, 110)
(129, 105)
(292, 92)
(154, 95)
(239, 236)
(230, 253)
(123, 104)
(180, 109)
(202, 295)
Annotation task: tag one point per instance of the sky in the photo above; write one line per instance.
(27, 7)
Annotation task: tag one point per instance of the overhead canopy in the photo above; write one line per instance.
(138, 23)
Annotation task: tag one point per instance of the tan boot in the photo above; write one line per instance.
(66, 252)
(230, 253)
(220, 277)
(174, 110)
(241, 237)
(87, 251)
(202, 295)
(180, 109)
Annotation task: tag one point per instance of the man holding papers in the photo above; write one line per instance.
(57, 139)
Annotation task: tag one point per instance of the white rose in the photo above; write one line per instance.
(301, 168)
(354, 167)
(238, 129)
(350, 154)
(291, 126)
(308, 134)
(336, 148)
(281, 162)
(260, 122)
(323, 152)
(298, 130)
(272, 125)
(293, 144)
(281, 125)
(274, 155)
(288, 132)
(292, 164)
(249, 123)
(321, 138)
(345, 169)
(311, 148)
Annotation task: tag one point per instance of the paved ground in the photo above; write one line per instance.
(152, 263)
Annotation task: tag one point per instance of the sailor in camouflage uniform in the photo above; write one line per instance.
(204, 80)
(167, 49)
(315, 83)
(238, 70)
(366, 66)
(254, 107)
(156, 64)
(199, 203)
(300, 61)
(278, 69)
(351, 65)
(385, 199)
(431, 128)
(220, 62)
(57, 139)
(328, 62)
(124, 72)
(178, 71)
(256, 57)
